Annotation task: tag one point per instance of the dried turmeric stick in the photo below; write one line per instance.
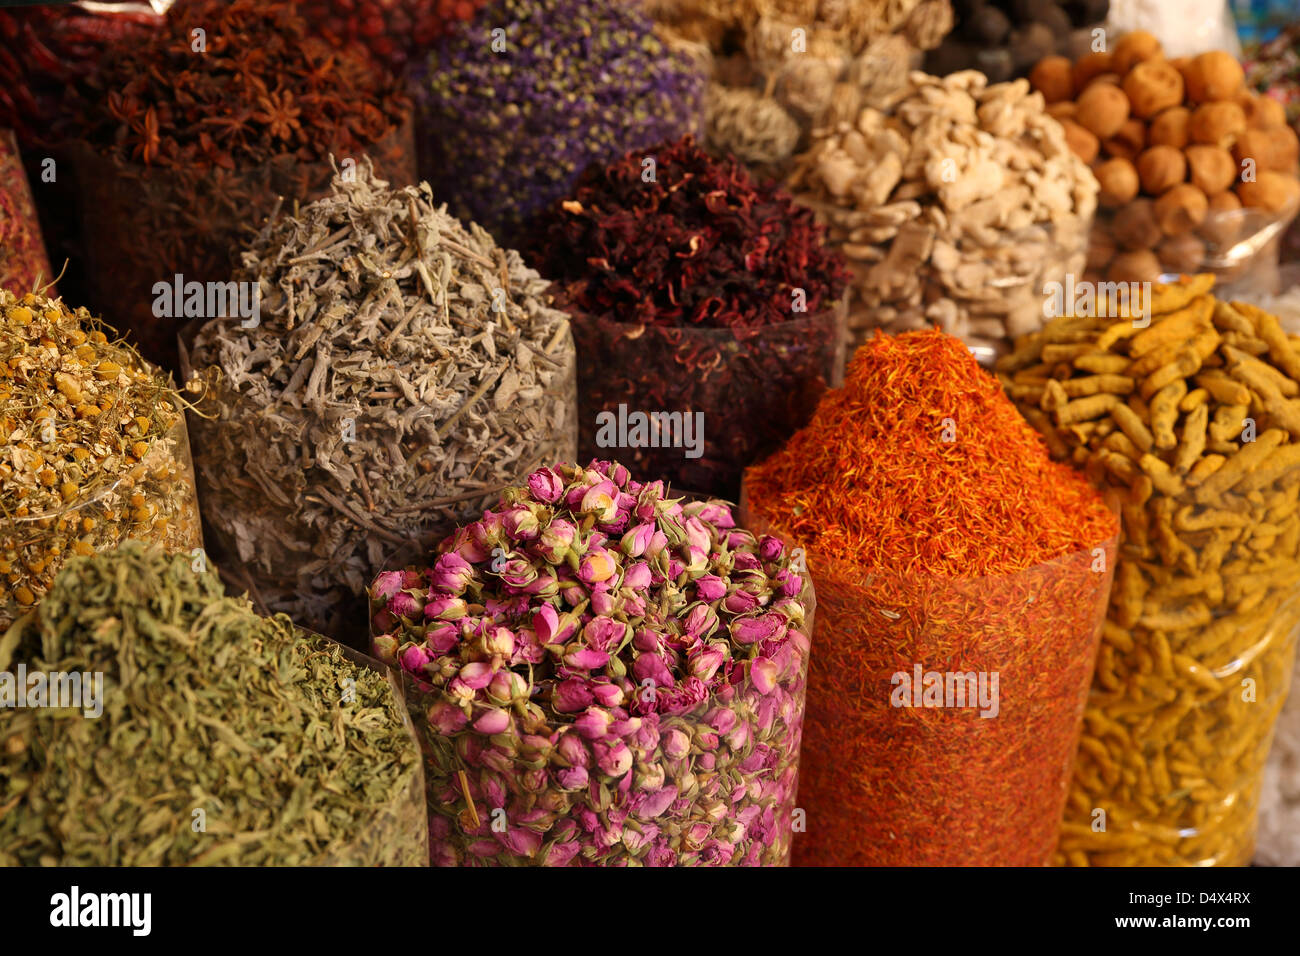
(1223, 388)
(1286, 386)
(1270, 330)
(1194, 399)
(1133, 426)
(1164, 413)
(1086, 409)
(1239, 466)
(1101, 363)
(1193, 439)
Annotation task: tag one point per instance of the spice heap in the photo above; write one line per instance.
(203, 733)
(391, 29)
(1004, 38)
(1196, 172)
(954, 207)
(700, 293)
(1189, 416)
(93, 448)
(613, 677)
(948, 551)
(227, 132)
(581, 80)
(404, 371)
(23, 264)
(843, 51)
(45, 49)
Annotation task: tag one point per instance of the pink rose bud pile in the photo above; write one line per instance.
(604, 676)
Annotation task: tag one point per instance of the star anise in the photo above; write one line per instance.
(280, 116)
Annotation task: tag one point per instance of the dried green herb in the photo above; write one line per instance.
(406, 369)
(225, 737)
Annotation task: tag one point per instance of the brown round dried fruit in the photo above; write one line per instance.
(1090, 66)
(1271, 191)
(1211, 169)
(1101, 249)
(1170, 128)
(1103, 108)
(1135, 226)
(1128, 142)
(1161, 168)
(1063, 110)
(1275, 148)
(1217, 124)
(1053, 77)
(1152, 86)
(1138, 266)
(1133, 48)
(1214, 76)
(1181, 209)
(1081, 142)
(1119, 182)
(1184, 254)
(1262, 112)
(1223, 220)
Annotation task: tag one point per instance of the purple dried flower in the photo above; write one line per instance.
(585, 80)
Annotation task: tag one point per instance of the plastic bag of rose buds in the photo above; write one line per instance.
(603, 675)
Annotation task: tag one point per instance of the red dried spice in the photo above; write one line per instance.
(700, 245)
(393, 30)
(45, 49)
(700, 291)
(939, 533)
(23, 263)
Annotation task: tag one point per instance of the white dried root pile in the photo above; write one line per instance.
(953, 206)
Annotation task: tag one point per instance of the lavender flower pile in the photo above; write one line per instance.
(604, 676)
(519, 101)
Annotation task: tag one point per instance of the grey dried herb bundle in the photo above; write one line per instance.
(224, 738)
(405, 371)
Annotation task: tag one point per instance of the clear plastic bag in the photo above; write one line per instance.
(399, 833)
(317, 573)
(1185, 28)
(753, 387)
(886, 782)
(1239, 246)
(156, 501)
(1189, 683)
(714, 786)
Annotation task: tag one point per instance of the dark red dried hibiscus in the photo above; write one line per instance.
(700, 245)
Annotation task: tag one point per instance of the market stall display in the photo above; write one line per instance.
(1184, 409)
(703, 303)
(93, 448)
(201, 735)
(584, 80)
(179, 156)
(1197, 173)
(961, 580)
(403, 371)
(604, 675)
(954, 208)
